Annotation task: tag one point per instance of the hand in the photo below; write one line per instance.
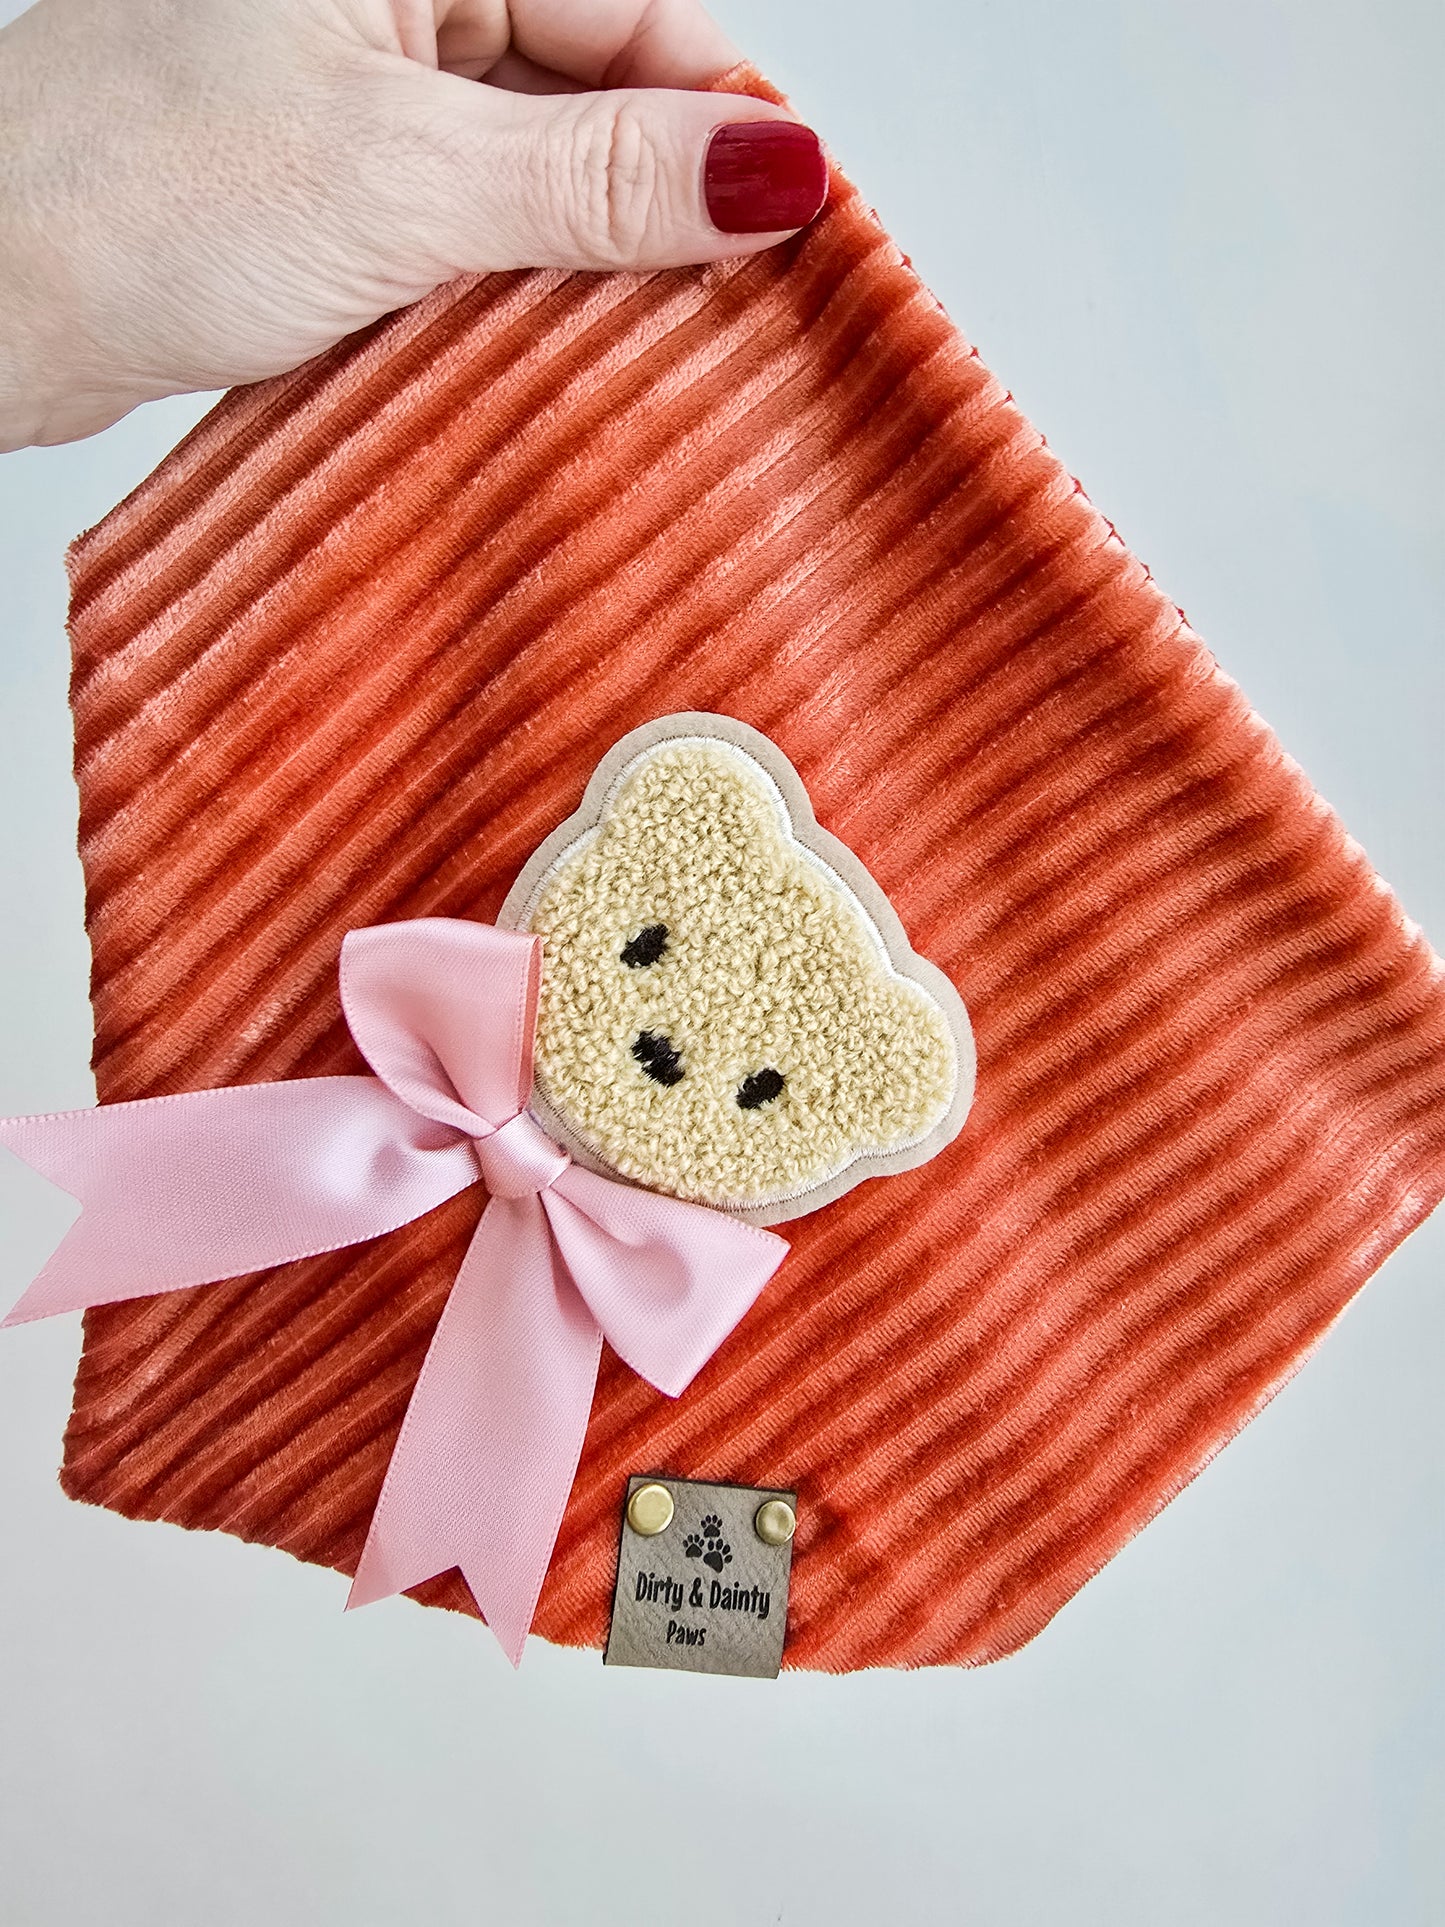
(200, 192)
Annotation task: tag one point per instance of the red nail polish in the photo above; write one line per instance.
(762, 175)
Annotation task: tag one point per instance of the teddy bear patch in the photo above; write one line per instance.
(721, 1016)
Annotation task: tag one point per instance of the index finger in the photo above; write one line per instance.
(623, 43)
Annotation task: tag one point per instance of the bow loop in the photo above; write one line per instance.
(444, 1013)
(665, 1280)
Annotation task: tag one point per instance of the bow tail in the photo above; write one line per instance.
(183, 1190)
(489, 1446)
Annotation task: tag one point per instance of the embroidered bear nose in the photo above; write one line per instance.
(659, 1057)
(761, 1088)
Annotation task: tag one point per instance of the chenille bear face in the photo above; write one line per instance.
(719, 1017)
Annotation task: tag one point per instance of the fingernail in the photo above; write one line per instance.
(763, 175)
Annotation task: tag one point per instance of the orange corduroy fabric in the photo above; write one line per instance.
(353, 651)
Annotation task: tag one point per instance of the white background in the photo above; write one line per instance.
(1201, 245)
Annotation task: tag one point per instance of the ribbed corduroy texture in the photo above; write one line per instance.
(353, 651)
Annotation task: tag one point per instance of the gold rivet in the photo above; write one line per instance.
(775, 1522)
(649, 1510)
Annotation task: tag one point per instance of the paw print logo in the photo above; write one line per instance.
(709, 1545)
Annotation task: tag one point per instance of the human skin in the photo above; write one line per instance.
(195, 193)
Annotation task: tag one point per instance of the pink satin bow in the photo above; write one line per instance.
(205, 1185)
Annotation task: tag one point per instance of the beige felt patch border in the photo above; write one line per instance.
(800, 826)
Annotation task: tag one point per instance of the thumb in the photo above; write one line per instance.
(638, 177)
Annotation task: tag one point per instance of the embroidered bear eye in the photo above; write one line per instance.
(761, 1088)
(646, 947)
(659, 1057)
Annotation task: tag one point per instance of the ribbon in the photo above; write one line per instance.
(204, 1185)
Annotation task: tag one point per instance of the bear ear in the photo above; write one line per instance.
(906, 1075)
(673, 788)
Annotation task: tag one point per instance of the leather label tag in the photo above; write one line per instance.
(702, 1577)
